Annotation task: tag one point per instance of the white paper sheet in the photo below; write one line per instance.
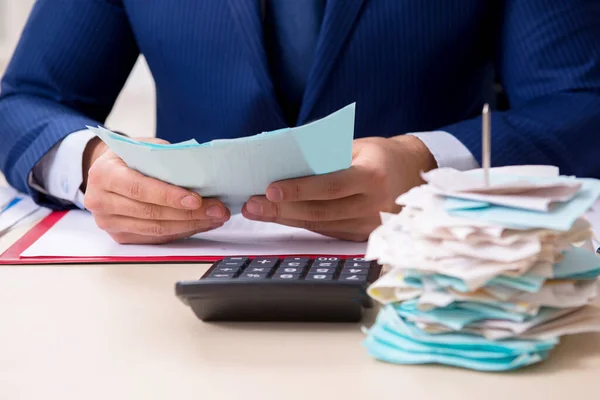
(76, 235)
(536, 200)
(450, 180)
(586, 319)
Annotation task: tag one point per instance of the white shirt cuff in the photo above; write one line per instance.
(448, 151)
(59, 173)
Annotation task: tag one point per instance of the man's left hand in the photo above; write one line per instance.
(346, 204)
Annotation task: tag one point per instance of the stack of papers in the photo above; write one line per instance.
(485, 277)
(236, 169)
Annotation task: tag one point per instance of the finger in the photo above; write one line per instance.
(132, 238)
(121, 224)
(355, 206)
(114, 204)
(335, 185)
(127, 182)
(352, 226)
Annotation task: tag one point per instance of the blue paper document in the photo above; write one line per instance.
(235, 169)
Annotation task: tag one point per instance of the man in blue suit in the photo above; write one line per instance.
(418, 70)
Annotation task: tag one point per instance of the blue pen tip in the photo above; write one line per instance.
(12, 203)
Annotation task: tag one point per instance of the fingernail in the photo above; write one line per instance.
(274, 194)
(190, 202)
(254, 207)
(215, 212)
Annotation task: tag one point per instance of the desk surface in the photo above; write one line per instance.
(118, 332)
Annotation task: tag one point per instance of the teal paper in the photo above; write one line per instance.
(395, 340)
(114, 136)
(389, 353)
(528, 283)
(577, 263)
(389, 317)
(414, 278)
(235, 169)
(492, 311)
(453, 203)
(561, 217)
(384, 334)
(459, 314)
(450, 316)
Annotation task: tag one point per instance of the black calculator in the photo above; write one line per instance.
(302, 289)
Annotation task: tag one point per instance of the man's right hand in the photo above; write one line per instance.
(134, 208)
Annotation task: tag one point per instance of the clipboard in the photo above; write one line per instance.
(12, 255)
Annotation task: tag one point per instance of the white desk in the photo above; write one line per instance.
(118, 332)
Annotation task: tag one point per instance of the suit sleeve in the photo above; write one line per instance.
(69, 66)
(549, 64)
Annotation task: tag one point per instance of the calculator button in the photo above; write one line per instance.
(258, 270)
(287, 277)
(353, 278)
(264, 262)
(357, 264)
(242, 260)
(290, 270)
(319, 277)
(253, 276)
(296, 259)
(317, 270)
(294, 264)
(324, 259)
(226, 270)
(355, 271)
(357, 259)
(217, 275)
(326, 264)
(231, 264)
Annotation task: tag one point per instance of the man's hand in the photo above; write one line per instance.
(346, 204)
(134, 208)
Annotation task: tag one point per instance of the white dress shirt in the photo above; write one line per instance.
(59, 172)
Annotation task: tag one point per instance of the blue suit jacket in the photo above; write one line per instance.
(410, 65)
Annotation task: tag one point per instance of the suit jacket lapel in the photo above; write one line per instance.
(338, 22)
(248, 17)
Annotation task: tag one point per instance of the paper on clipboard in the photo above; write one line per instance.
(76, 235)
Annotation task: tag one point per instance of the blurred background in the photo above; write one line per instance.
(134, 111)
